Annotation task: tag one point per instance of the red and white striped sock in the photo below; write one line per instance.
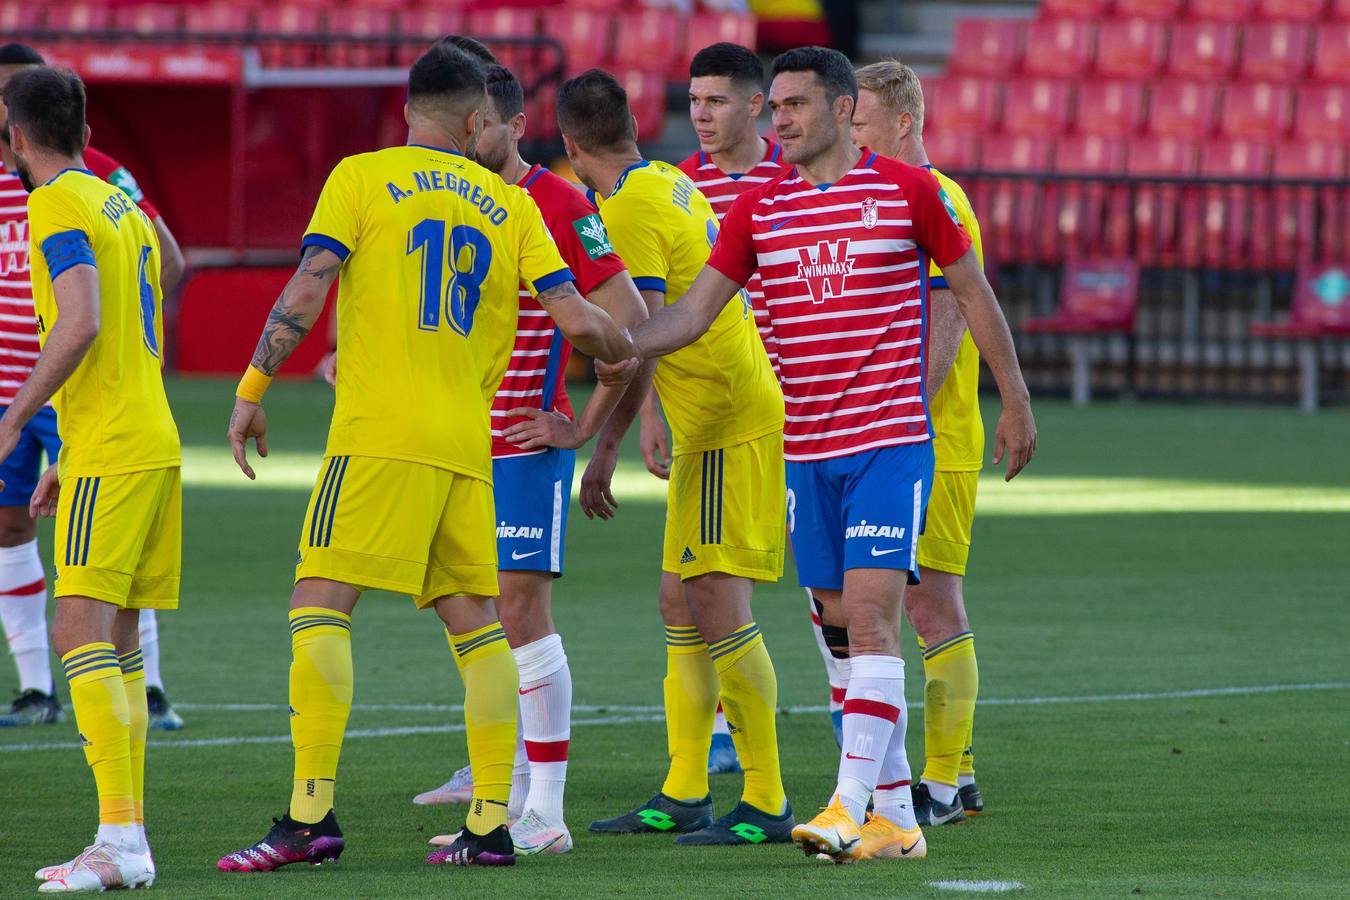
(892, 798)
(874, 702)
(546, 722)
(23, 615)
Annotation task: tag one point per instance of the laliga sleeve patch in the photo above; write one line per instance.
(951, 207)
(593, 236)
(123, 179)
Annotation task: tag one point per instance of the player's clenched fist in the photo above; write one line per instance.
(46, 494)
(247, 421)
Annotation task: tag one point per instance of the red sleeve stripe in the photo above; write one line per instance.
(872, 708)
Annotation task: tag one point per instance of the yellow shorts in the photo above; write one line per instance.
(945, 543)
(726, 511)
(402, 527)
(119, 538)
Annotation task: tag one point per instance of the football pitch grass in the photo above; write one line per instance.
(1162, 614)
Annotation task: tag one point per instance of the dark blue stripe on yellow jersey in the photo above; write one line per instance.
(435, 247)
(719, 390)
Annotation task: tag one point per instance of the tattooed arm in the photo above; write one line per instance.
(291, 318)
(587, 326)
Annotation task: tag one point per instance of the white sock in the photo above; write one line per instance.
(893, 798)
(127, 837)
(943, 793)
(963, 780)
(23, 615)
(546, 722)
(873, 704)
(150, 649)
(837, 686)
(720, 725)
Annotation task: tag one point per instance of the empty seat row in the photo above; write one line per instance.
(1188, 109)
(1140, 48)
(1214, 10)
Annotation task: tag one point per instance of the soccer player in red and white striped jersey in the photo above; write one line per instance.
(726, 96)
(23, 590)
(842, 243)
(534, 441)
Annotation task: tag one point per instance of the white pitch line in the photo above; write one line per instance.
(978, 887)
(991, 701)
(400, 731)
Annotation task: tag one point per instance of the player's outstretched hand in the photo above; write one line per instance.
(542, 429)
(617, 374)
(46, 494)
(247, 421)
(654, 442)
(597, 498)
(1015, 438)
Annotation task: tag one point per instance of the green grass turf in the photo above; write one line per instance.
(1148, 549)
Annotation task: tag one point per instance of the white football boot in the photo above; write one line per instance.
(102, 867)
(459, 789)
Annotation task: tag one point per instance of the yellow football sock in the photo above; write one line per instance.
(321, 701)
(133, 680)
(101, 714)
(491, 683)
(691, 689)
(749, 699)
(952, 682)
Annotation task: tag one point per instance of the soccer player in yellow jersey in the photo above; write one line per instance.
(726, 513)
(889, 119)
(432, 248)
(116, 488)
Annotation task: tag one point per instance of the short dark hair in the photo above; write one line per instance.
(446, 73)
(729, 60)
(593, 110)
(48, 104)
(20, 55)
(472, 46)
(505, 90)
(832, 68)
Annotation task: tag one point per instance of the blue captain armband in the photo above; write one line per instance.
(66, 250)
(938, 283)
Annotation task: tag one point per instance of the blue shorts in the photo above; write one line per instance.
(532, 494)
(23, 467)
(863, 511)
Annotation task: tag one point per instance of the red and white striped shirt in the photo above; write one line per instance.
(721, 190)
(845, 275)
(18, 323)
(535, 375)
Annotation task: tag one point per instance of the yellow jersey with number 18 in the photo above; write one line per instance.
(113, 414)
(435, 248)
(958, 432)
(720, 390)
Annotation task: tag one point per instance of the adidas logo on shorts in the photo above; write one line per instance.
(688, 557)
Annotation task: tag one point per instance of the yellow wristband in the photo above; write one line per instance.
(253, 385)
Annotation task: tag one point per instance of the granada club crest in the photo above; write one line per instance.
(869, 213)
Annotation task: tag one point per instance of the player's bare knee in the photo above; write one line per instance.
(719, 603)
(935, 609)
(126, 631)
(526, 616)
(674, 607)
(16, 526)
(462, 614)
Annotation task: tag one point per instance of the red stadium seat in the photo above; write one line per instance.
(1331, 52)
(1114, 108)
(363, 24)
(584, 34)
(1090, 154)
(953, 151)
(647, 39)
(706, 29)
(1236, 158)
(1131, 48)
(1309, 11)
(1060, 48)
(79, 17)
(1310, 160)
(1340, 11)
(962, 103)
(1297, 209)
(1322, 112)
(1256, 110)
(1239, 11)
(1011, 209)
(1038, 106)
(1075, 9)
(1203, 50)
(150, 19)
(294, 23)
(1157, 10)
(986, 46)
(429, 25)
(1231, 215)
(646, 99)
(231, 20)
(1163, 155)
(1075, 212)
(1158, 209)
(1275, 51)
(502, 21)
(20, 16)
(1182, 108)
(1018, 153)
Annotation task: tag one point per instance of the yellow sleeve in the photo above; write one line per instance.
(643, 245)
(60, 227)
(541, 265)
(967, 218)
(336, 223)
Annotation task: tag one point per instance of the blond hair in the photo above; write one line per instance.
(896, 86)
